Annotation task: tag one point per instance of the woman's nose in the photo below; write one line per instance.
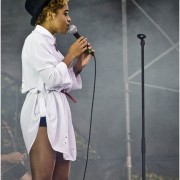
(69, 19)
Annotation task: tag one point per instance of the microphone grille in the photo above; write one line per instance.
(72, 29)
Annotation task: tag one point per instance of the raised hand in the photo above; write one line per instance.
(75, 50)
(82, 60)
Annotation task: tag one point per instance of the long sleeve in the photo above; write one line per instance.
(39, 56)
(77, 82)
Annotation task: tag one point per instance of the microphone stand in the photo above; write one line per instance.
(143, 141)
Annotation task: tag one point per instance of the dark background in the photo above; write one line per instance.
(101, 22)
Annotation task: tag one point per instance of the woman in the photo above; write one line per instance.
(47, 77)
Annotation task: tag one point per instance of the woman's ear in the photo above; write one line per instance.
(50, 16)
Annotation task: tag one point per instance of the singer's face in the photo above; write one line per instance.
(61, 20)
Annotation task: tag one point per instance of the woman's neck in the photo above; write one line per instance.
(48, 26)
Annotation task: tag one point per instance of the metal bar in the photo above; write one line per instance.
(143, 140)
(126, 85)
(156, 87)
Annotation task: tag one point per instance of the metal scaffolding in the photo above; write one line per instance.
(129, 79)
(174, 46)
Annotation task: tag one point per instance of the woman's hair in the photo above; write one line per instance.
(52, 6)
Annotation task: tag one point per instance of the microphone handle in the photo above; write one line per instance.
(77, 35)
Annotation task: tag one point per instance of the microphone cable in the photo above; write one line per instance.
(90, 126)
(73, 30)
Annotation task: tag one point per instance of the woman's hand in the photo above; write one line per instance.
(82, 60)
(15, 157)
(76, 49)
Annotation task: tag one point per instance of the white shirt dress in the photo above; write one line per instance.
(44, 76)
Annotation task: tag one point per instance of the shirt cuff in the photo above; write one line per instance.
(77, 82)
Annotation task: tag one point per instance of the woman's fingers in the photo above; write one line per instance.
(83, 45)
(90, 47)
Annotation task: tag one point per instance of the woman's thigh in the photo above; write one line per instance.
(62, 168)
(42, 157)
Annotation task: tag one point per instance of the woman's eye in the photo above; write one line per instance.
(66, 14)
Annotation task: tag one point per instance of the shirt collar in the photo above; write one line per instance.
(43, 31)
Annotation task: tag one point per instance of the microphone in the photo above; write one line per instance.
(73, 30)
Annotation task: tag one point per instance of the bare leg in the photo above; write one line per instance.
(42, 157)
(62, 168)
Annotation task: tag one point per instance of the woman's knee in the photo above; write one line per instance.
(42, 176)
(62, 168)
